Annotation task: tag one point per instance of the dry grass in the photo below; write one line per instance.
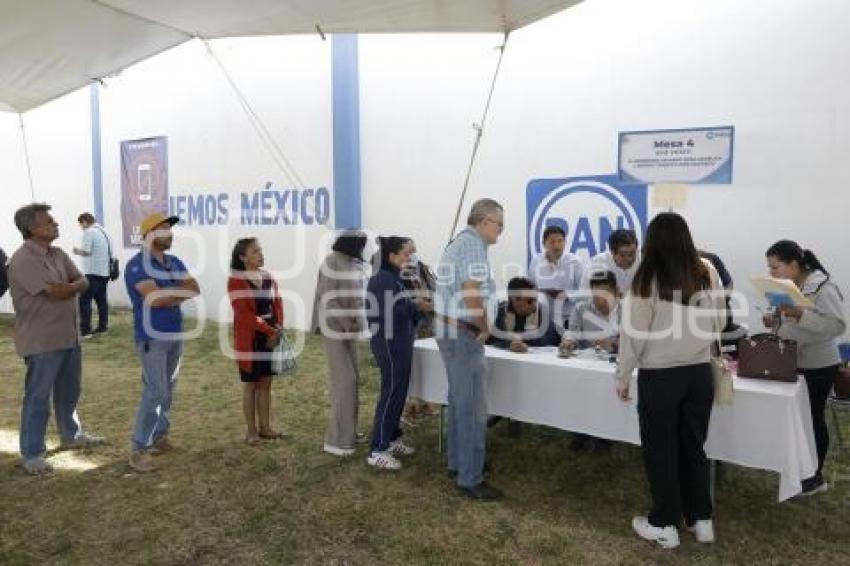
(218, 501)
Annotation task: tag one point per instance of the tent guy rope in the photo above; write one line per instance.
(479, 133)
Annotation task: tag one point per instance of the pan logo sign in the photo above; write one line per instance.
(588, 209)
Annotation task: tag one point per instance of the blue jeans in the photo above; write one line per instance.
(96, 291)
(467, 427)
(58, 373)
(160, 364)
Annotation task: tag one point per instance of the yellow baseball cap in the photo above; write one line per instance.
(152, 221)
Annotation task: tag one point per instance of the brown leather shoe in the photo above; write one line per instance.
(141, 462)
(161, 446)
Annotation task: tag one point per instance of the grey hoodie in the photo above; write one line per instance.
(818, 328)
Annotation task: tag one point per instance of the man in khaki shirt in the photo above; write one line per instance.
(44, 285)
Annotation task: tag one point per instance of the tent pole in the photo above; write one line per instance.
(479, 132)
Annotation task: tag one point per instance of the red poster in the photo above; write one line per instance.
(144, 184)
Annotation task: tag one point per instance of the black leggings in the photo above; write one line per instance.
(820, 382)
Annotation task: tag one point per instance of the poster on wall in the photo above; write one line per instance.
(693, 156)
(144, 184)
(588, 209)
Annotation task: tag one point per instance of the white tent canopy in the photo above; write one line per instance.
(52, 47)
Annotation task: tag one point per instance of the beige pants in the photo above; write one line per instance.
(343, 379)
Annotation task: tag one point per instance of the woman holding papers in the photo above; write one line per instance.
(671, 317)
(815, 329)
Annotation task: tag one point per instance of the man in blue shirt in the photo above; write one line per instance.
(464, 291)
(157, 283)
(96, 254)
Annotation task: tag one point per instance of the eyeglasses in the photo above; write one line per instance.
(499, 223)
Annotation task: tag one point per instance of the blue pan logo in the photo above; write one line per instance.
(588, 209)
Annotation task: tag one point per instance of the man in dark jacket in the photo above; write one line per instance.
(521, 322)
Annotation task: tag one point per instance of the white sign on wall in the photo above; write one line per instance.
(697, 155)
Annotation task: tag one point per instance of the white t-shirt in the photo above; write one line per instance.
(566, 274)
(605, 262)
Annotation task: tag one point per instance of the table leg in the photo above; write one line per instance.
(442, 432)
(712, 479)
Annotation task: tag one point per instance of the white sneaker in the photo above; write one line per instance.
(37, 466)
(703, 530)
(82, 440)
(666, 537)
(383, 460)
(336, 451)
(399, 448)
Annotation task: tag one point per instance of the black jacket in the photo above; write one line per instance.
(545, 334)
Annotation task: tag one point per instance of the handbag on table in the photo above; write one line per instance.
(767, 356)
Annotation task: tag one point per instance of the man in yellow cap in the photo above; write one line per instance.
(157, 283)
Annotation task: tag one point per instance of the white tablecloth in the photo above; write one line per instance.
(768, 426)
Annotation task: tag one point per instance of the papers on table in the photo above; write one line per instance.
(543, 349)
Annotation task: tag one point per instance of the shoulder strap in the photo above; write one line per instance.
(108, 245)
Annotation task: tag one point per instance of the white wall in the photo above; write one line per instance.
(213, 147)
(778, 71)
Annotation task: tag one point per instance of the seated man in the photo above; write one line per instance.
(595, 323)
(520, 323)
(520, 320)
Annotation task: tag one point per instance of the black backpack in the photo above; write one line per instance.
(4, 273)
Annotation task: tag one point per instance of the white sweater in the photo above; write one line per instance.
(820, 325)
(657, 334)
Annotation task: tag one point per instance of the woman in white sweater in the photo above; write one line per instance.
(671, 317)
(815, 330)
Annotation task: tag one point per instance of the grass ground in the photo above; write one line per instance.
(218, 501)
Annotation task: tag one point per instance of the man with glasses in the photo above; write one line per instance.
(157, 283)
(464, 289)
(44, 284)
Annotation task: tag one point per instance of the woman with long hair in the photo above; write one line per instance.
(338, 318)
(257, 324)
(671, 318)
(815, 330)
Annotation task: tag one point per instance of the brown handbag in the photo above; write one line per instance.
(767, 356)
